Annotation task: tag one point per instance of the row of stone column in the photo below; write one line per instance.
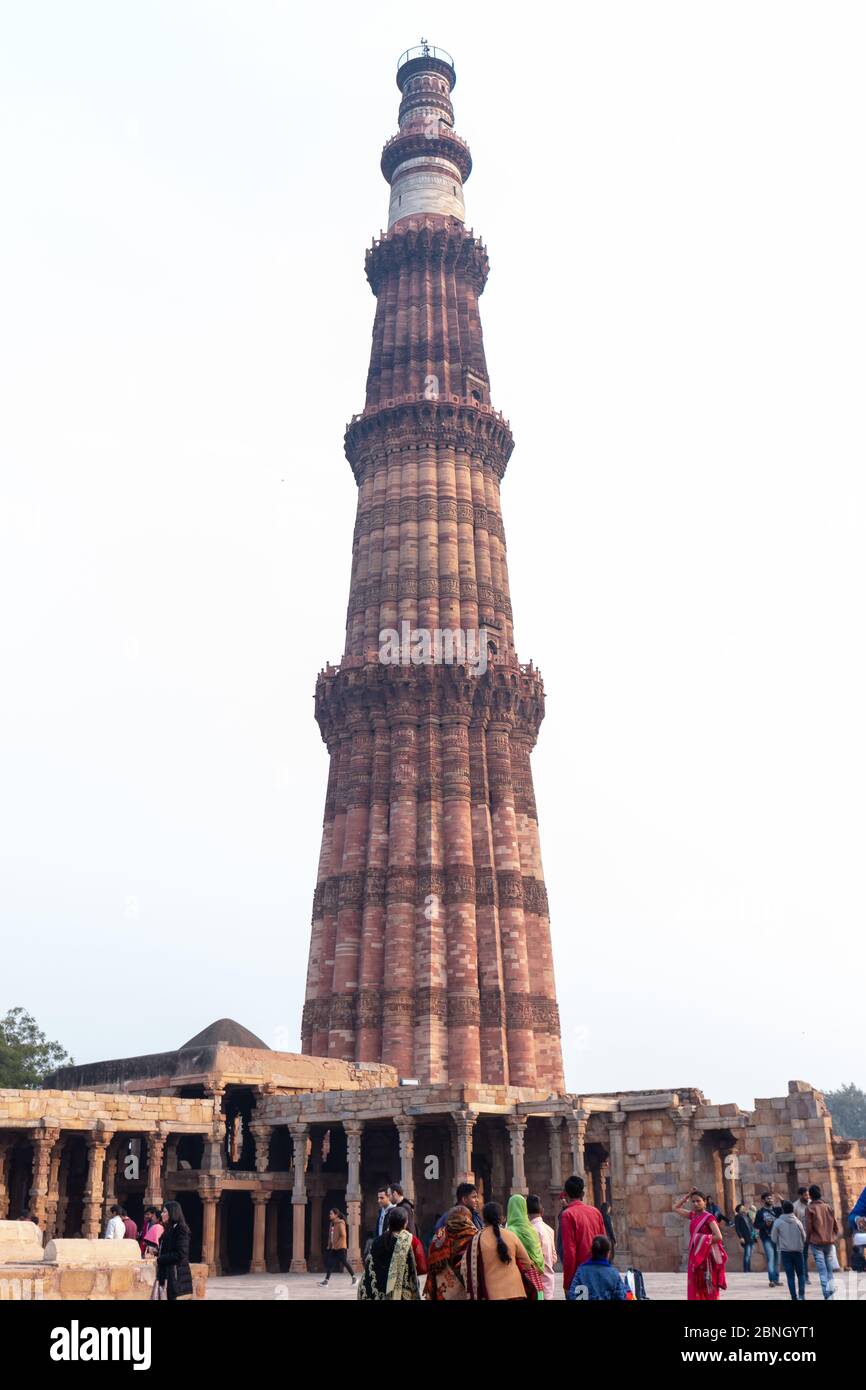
(464, 1124)
(48, 1195)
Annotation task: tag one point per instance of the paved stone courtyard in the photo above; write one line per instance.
(307, 1287)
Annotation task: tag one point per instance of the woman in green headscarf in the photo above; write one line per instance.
(517, 1220)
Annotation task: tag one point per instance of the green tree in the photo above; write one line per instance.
(847, 1106)
(26, 1055)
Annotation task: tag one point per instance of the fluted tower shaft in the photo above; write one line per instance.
(430, 945)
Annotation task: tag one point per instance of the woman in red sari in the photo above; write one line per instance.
(707, 1254)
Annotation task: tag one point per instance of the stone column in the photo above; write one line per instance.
(406, 1133)
(577, 1139)
(209, 1201)
(464, 1123)
(682, 1118)
(262, 1138)
(554, 1145)
(354, 1134)
(616, 1140)
(5, 1146)
(53, 1202)
(213, 1159)
(43, 1144)
(516, 1126)
(260, 1210)
(155, 1152)
(299, 1133)
(109, 1193)
(97, 1143)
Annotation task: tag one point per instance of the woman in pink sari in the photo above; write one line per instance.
(707, 1254)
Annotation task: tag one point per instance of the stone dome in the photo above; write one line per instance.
(225, 1030)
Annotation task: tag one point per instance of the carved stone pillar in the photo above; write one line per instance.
(464, 1124)
(209, 1201)
(53, 1201)
(406, 1132)
(97, 1143)
(155, 1154)
(262, 1138)
(213, 1159)
(682, 1118)
(516, 1126)
(354, 1134)
(299, 1133)
(616, 1140)
(44, 1140)
(110, 1185)
(576, 1124)
(5, 1147)
(260, 1211)
(554, 1145)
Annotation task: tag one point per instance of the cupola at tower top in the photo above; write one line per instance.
(426, 162)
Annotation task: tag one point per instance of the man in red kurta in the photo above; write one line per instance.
(579, 1225)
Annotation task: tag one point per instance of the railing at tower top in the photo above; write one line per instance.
(424, 50)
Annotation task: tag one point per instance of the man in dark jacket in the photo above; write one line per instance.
(399, 1199)
(745, 1235)
(770, 1208)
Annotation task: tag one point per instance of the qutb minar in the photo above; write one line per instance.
(430, 946)
(430, 958)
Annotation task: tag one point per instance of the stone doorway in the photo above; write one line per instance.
(19, 1178)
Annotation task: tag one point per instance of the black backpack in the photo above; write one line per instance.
(639, 1285)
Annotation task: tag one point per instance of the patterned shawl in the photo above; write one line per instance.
(389, 1270)
(446, 1251)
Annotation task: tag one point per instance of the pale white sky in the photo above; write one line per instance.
(673, 201)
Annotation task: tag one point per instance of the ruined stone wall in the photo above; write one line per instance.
(85, 1110)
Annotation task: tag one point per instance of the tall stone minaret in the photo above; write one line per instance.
(430, 945)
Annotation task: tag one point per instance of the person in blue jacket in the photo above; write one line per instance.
(859, 1209)
(597, 1280)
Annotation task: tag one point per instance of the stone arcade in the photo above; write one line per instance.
(257, 1145)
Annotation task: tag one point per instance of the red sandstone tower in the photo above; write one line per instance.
(430, 945)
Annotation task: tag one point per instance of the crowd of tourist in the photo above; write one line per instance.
(164, 1237)
(484, 1253)
(478, 1252)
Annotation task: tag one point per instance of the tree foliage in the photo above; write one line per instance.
(847, 1107)
(26, 1055)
